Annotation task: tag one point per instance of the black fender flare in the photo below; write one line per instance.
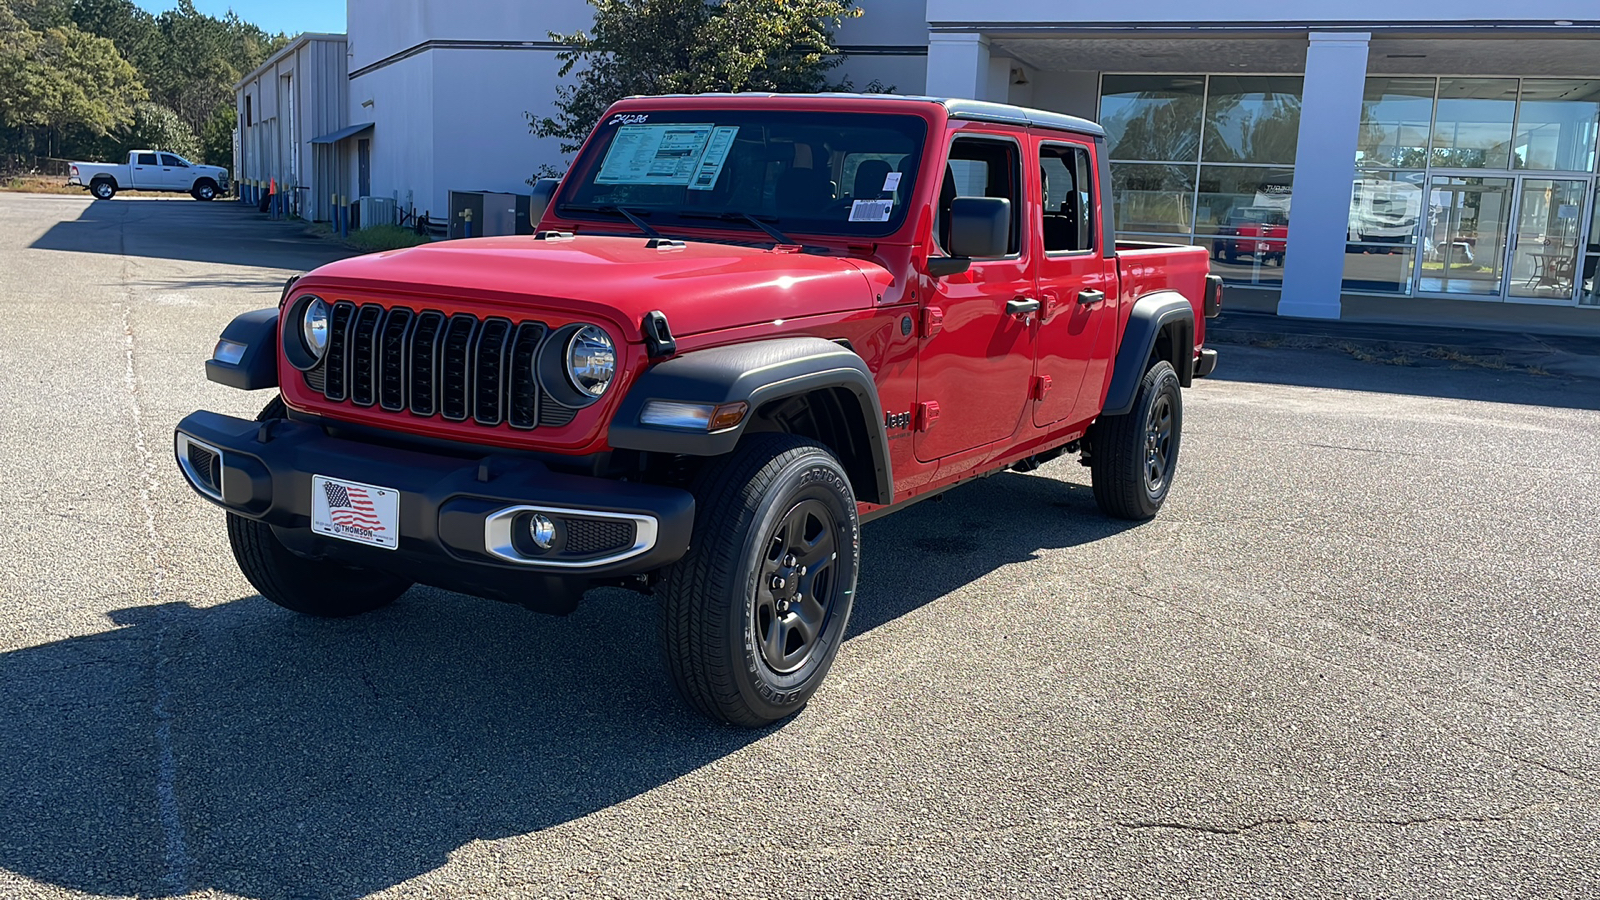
(756, 373)
(257, 366)
(1151, 314)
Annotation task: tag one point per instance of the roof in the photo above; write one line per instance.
(955, 107)
(300, 40)
(349, 131)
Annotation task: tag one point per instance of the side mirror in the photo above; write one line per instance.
(539, 200)
(980, 227)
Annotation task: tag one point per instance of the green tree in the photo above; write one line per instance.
(216, 139)
(690, 46)
(60, 81)
(159, 128)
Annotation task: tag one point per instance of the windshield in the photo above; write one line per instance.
(821, 173)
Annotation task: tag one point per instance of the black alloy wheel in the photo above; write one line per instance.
(1158, 445)
(1133, 457)
(794, 595)
(751, 618)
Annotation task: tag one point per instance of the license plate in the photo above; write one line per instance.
(352, 511)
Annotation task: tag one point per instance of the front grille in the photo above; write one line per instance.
(458, 367)
(588, 536)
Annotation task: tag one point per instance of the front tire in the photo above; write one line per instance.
(204, 189)
(308, 586)
(753, 616)
(104, 189)
(1133, 457)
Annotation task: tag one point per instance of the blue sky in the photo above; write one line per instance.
(290, 16)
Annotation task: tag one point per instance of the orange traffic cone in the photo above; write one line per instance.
(272, 186)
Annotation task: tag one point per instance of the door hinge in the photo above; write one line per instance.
(1041, 386)
(927, 414)
(932, 321)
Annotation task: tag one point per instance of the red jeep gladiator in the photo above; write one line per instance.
(747, 324)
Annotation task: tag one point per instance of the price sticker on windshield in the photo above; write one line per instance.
(871, 210)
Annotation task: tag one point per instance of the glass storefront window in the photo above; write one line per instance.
(1383, 269)
(1588, 282)
(1396, 116)
(1557, 123)
(1152, 117)
(1472, 127)
(1252, 119)
(1150, 197)
(1239, 199)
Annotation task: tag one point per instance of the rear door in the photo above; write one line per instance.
(978, 360)
(145, 171)
(1077, 283)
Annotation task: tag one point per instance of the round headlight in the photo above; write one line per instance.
(591, 360)
(314, 327)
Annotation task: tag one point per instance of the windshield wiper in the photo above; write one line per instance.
(742, 216)
(623, 211)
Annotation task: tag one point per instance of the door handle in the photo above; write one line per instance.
(1021, 306)
(1090, 298)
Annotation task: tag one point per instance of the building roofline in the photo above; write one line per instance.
(300, 40)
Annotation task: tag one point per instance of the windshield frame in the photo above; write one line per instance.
(819, 117)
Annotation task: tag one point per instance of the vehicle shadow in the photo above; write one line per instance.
(223, 232)
(240, 748)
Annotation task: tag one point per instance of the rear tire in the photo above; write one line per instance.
(308, 586)
(204, 189)
(103, 189)
(1133, 457)
(753, 615)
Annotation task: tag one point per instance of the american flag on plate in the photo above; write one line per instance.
(351, 506)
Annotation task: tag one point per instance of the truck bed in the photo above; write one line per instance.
(1147, 266)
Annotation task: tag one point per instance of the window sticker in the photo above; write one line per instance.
(655, 154)
(716, 153)
(871, 210)
(891, 181)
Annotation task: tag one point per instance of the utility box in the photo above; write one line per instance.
(486, 213)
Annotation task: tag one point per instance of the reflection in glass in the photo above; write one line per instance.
(1385, 207)
(1556, 124)
(1253, 118)
(1242, 200)
(1383, 268)
(1152, 197)
(1152, 117)
(1464, 235)
(1545, 253)
(1247, 259)
(1472, 129)
(1396, 115)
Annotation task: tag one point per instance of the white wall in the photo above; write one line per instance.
(403, 136)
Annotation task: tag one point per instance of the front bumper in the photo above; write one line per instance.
(459, 519)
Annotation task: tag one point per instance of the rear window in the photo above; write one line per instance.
(146, 159)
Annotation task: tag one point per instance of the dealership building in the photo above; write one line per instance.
(1335, 163)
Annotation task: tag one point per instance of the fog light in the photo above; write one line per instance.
(542, 529)
(228, 352)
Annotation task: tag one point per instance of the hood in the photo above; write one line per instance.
(701, 287)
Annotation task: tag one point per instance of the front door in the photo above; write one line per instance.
(1465, 231)
(977, 359)
(175, 174)
(1077, 287)
(1547, 244)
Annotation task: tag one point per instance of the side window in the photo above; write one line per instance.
(146, 159)
(249, 115)
(167, 159)
(982, 167)
(1066, 182)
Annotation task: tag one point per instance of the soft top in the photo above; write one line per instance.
(955, 108)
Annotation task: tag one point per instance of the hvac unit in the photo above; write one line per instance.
(372, 211)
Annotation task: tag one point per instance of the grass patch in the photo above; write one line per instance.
(56, 184)
(384, 237)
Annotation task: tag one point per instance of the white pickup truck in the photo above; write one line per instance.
(150, 170)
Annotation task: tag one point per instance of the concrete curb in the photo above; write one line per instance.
(1411, 345)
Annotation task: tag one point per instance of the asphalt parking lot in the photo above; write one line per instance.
(1358, 654)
